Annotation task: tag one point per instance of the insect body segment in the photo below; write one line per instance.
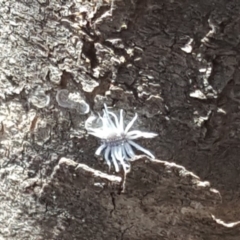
(116, 142)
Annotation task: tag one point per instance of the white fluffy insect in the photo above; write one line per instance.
(116, 141)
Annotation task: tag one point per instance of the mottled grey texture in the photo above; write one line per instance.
(153, 206)
(175, 63)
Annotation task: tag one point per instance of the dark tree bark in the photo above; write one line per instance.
(175, 63)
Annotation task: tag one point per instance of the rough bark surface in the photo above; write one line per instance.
(175, 63)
